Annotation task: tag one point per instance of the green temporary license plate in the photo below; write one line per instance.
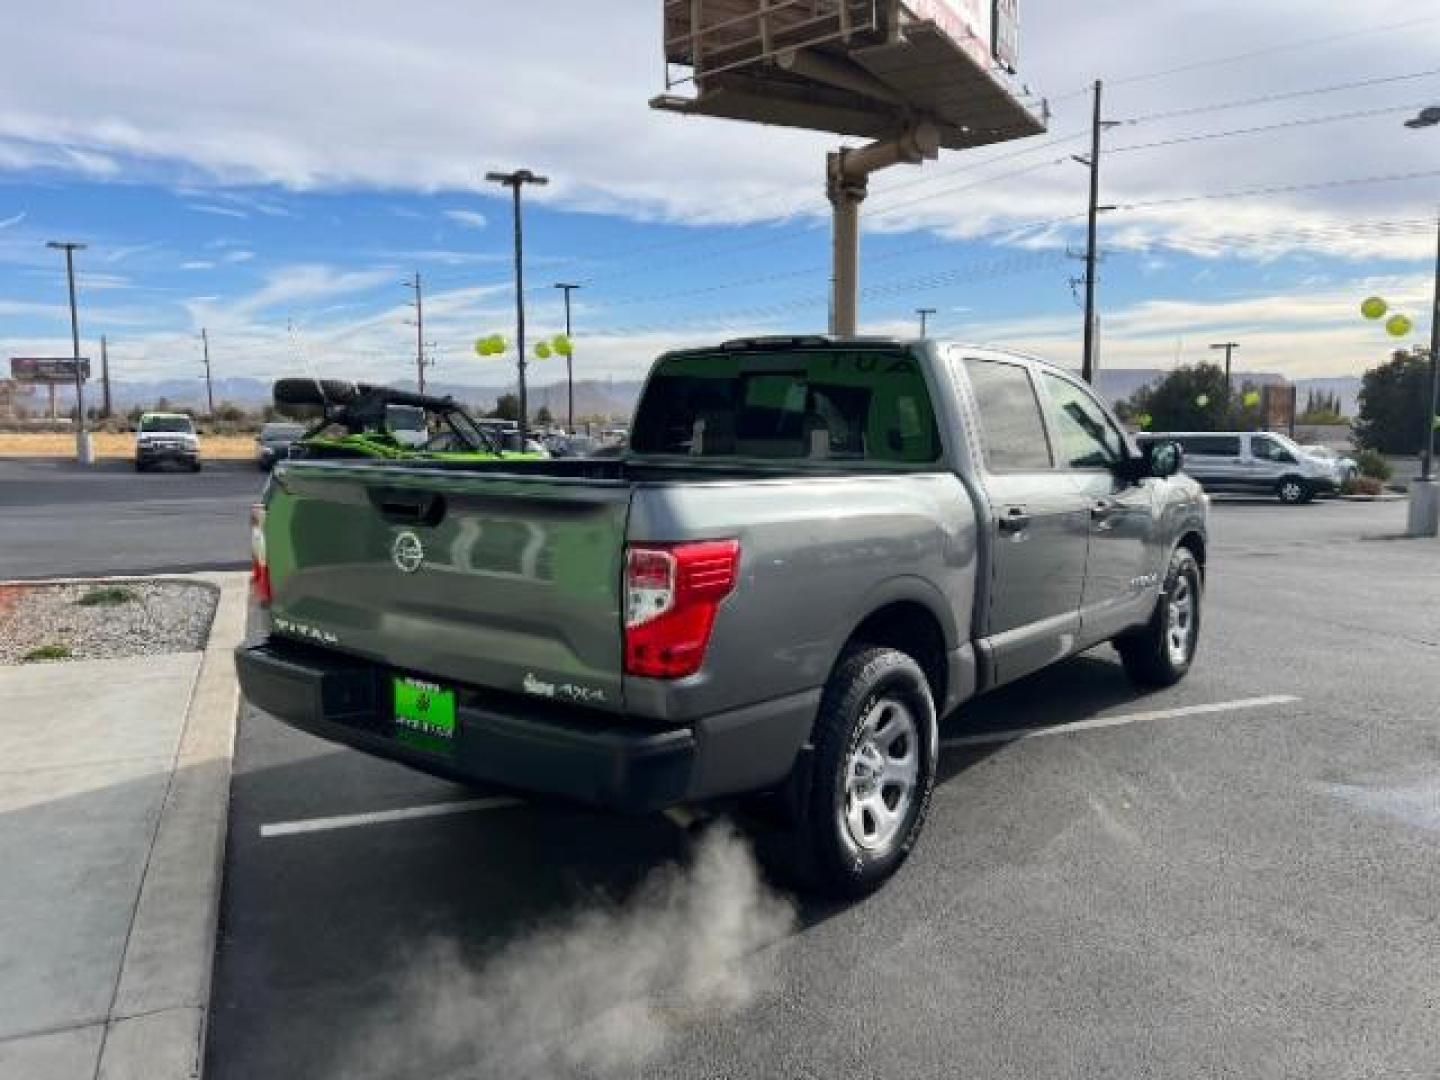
(424, 713)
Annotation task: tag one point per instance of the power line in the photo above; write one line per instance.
(1288, 46)
(1306, 122)
(1289, 95)
(1282, 189)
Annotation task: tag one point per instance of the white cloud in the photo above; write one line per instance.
(15, 220)
(472, 218)
(239, 256)
(219, 211)
(197, 264)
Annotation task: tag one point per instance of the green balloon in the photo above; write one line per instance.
(1252, 398)
(1202, 400)
(561, 345)
(1374, 308)
(1144, 420)
(1398, 325)
(482, 346)
(542, 351)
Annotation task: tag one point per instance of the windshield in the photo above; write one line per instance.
(167, 424)
(281, 431)
(828, 404)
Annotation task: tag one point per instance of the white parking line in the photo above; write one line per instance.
(1016, 734)
(380, 817)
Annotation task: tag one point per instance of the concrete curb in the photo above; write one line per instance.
(157, 1023)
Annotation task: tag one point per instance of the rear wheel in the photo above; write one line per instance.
(875, 748)
(1292, 490)
(1161, 653)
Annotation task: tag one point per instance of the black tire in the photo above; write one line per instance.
(140, 466)
(821, 851)
(195, 466)
(1149, 654)
(1292, 491)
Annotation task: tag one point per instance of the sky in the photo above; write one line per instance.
(272, 172)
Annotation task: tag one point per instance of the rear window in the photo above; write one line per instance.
(830, 405)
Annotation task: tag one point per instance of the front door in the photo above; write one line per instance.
(1039, 524)
(1122, 568)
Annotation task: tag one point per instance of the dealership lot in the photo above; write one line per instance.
(1233, 877)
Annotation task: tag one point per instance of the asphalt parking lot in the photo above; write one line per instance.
(58, 519)
(1235, 877)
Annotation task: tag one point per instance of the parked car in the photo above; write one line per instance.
(563, 446)
(274, 442)
(1251, 463)
(1346, 468)
(162, 437)
(813, 550)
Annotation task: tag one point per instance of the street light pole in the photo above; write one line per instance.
(515, 181)
(924, 313)
(1229, 347)
(1424, 513)
(82, 441)
(569, 357)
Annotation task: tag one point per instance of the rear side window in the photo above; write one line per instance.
(1012, 433)
(1211, 445)
(835, 405)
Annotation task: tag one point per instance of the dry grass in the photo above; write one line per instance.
(212, 447)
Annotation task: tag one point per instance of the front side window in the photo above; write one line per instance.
(1269, 449)
(839, 405)
(1087, 438)
(1012, 432)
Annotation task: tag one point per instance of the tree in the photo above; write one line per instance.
(1393, 414)
(1190, 398)
(507, 407)
(543, 417)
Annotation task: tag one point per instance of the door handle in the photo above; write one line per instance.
(1015, 520)
(1101, 512)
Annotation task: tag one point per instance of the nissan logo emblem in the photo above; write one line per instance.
(407, 552)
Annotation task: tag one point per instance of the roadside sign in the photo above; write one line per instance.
(40, 369)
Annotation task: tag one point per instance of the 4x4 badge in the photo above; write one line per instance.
(407, 552)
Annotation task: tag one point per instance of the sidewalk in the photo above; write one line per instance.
(114, 782)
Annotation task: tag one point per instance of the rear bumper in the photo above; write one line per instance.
(535, 749)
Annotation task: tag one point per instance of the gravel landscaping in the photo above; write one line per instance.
(99, 620)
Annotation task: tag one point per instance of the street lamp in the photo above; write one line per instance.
(82, 440)
(924, 313)
(1229, 347)
(569, 356)
(1425, 498)
(515, 181)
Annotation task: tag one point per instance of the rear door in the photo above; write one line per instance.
(1121, 567)
(1038, 524)
(486, 579)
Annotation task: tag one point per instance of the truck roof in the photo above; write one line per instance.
(813, 341)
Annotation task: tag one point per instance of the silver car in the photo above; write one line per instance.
(1253, 463)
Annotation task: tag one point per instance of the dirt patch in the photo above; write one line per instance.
(48, 623)
(107, 445)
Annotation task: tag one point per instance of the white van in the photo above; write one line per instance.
(1252, 462)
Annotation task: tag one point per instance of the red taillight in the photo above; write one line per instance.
(259, 561)
(671, 594)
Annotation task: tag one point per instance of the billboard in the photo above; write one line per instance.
(40, 369)
(965, 22)
(1005, 34)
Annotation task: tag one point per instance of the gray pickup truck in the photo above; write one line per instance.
(811, 551)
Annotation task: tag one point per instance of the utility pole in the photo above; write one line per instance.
(1427, 460)
(209, 388)
(515, 181)
(82, 440)
(569, 357)
(419, 306)
(1424, 510)
(924, 313)
(1087, 368)
(1229, 347)
(105, 372)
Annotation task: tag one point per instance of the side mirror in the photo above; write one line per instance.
(1162, 459)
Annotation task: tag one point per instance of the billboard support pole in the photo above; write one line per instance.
(82, 440)
(847, 178)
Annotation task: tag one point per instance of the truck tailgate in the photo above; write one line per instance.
(492, 580)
